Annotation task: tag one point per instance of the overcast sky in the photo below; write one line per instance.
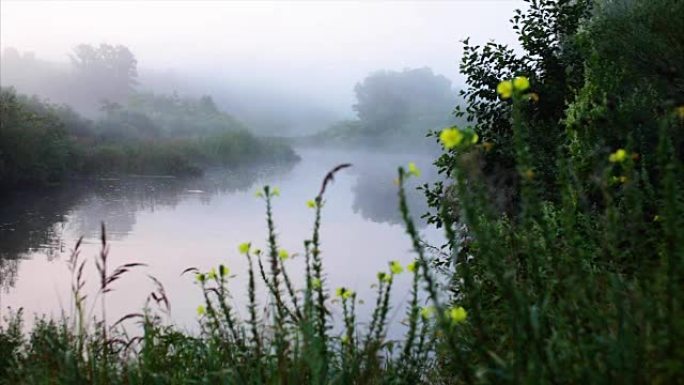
(316, 49)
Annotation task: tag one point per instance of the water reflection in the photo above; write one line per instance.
(30, 222)
(375, 193)
(172, 224)
(34, 222)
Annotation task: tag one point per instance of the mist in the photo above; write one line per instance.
(287, 68)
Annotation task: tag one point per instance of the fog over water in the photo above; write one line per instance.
(361, 75)
(173, 224)
(290, 58)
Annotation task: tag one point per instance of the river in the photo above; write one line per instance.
(171, 224)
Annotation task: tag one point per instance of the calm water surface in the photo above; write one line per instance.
(172, 224)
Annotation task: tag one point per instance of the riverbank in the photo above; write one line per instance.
(43, 144)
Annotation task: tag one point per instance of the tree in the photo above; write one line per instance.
(104, 73)
(553, 61)
(413, 100)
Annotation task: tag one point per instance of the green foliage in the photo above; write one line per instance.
(34, 146)
(44, 143)
(551, 61)
(183, 117)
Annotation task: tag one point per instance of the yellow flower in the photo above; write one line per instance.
(384, 277)
(412, 266)
(283, 254)
(201, 310)
(505, 89)
(275, 192)
(488, 146)
(344, 339)
(343, 292)
(457, 314)
(427, 312)
(451, 137)
(413, 170)
(618, 156)
(396, 267)
(212, 273)
(521, 83)
(311, 204)
(680, 112)
(259, 194)
(244, 248)
(199, 277)
(316, 283)
(474, 138)
(529, 174)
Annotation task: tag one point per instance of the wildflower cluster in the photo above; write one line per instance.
(453, 137)
(507, 88)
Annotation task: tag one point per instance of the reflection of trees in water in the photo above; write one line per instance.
(376, 199)
(30, 222)
(35, 221)
(116, 202)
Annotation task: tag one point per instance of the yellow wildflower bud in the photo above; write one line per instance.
(343, 292)
(680, 112)
(412, 266)
(283, 254)
(311, 204)
(212, 273)
(474, 138)
(488, 146)
(275, 192)
(618, 156)
(201, 310)
(451, 137)
(505, 89)
(528, 174)
(521, 83)
(427, 312)
(244, 248)
(413, 169)
(259, 194)
(199, 277)
(382, 276)
(396, 267)
(223, 270)
(316, 283)
(457, 314)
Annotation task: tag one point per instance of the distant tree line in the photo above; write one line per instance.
(395, 108)
(96, 75)
(42, 143)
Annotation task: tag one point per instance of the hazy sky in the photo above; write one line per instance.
(316, 49)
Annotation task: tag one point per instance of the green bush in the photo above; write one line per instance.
(42, 143)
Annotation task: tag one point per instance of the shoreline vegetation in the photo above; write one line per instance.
(563, 253)
(42, 143)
